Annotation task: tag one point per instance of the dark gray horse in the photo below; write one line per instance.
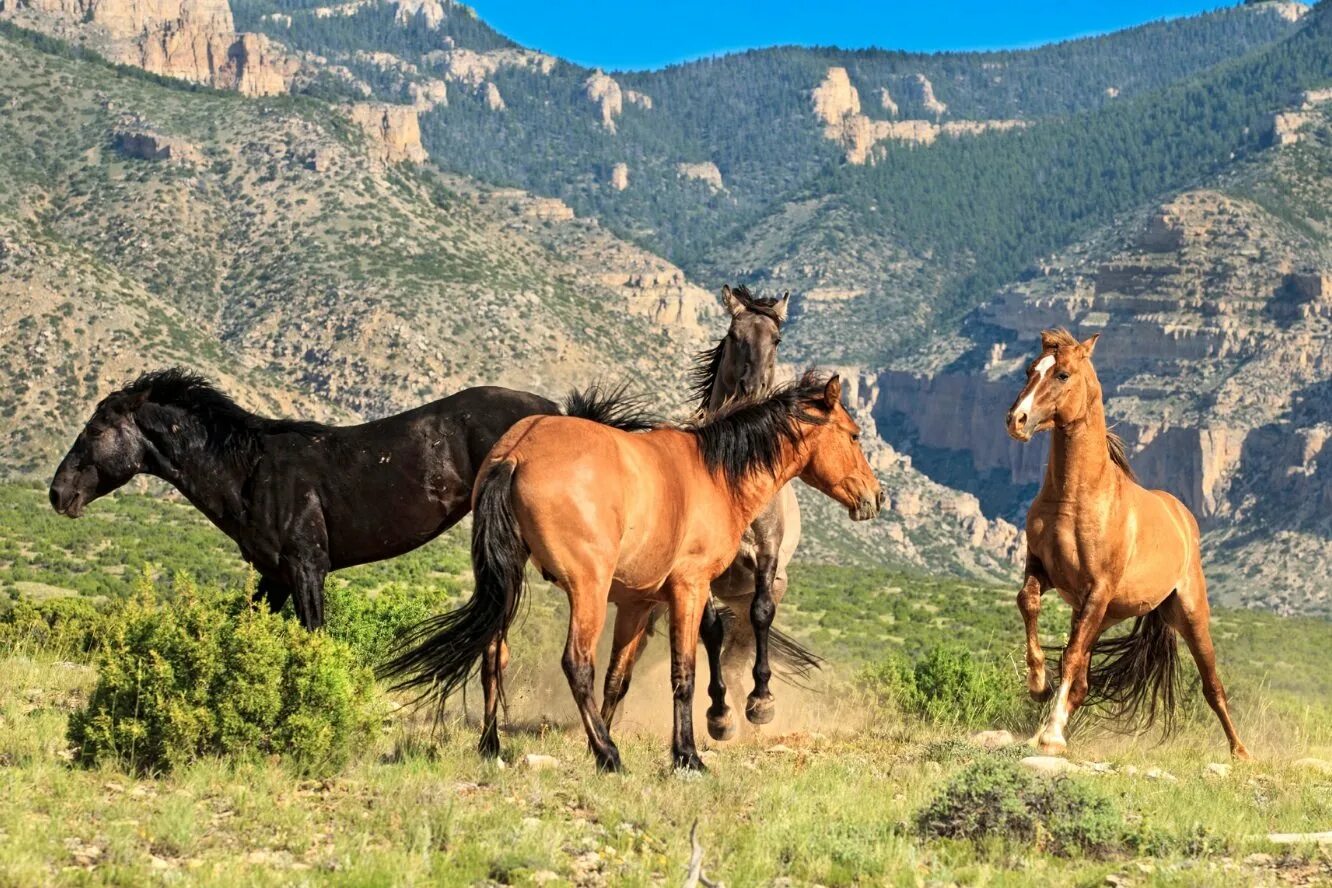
(299, 498)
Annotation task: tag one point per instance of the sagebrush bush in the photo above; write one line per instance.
(993, 798)
(949, 686)
(209, 674)
(67, 627)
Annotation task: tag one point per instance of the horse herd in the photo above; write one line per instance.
(696, 519)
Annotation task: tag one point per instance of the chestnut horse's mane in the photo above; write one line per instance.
(1061, 338)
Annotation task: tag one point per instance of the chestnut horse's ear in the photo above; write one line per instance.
(781, 305)
(732, 302)
(832, 392)
(1089, 345)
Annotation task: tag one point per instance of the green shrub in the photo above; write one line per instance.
(370, 623)
(210, 674)
(949, 686)
(67, 627)
(993, 798)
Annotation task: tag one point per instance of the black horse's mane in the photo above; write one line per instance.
(612, 406)
(707, 363)
(228, 426)
(747, 436)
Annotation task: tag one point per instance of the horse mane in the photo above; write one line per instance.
(707, 363)
(747, 436)
(228, 426)
(1059, 337)
(613, 407)
(1119, 454)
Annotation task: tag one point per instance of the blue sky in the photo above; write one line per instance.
(627, 34)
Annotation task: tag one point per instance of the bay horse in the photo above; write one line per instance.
(634, 518)
(1114, 550)
(741, 365)
(300, 499)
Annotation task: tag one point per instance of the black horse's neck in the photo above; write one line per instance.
(208, 464)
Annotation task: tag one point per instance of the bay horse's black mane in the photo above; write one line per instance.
(747, 436)
(228, 427)
(707, 363)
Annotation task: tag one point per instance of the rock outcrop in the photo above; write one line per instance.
(148, 145)
(428, 95)
(619, 177)
(494, 101)
(924, 94)
(605, 93)
(886, 102)
(394, 130)
(193, 40)
(705, 172)
(431, 12)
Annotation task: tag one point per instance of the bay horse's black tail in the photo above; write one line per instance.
(1132, 679)
(440, 654)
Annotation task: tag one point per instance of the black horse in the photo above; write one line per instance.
(299, 498)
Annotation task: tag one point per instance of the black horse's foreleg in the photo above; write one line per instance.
(309, 594)
(759, 707)
(274, 593)
(713, 632)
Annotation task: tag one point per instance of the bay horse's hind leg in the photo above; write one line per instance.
(631, 621)
(493, 663)
(712, 630)
(1189, 614)
(1029, 603)
(587, 614)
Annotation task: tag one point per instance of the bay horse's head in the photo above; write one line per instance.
(109, 451)
(1060, 385)
(743, 364)
(837, 466)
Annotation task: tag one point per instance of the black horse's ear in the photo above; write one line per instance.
(832, 392)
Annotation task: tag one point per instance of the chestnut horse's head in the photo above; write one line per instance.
(1061, 384)
(744, 363)
(837, 466)
(109, 451)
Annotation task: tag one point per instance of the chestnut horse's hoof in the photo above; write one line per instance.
(760, 710)
(1042, 695)
(721, 727)
(1240, 754)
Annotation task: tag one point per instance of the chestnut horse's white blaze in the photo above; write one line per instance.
(1114, 551)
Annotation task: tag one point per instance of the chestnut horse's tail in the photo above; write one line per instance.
(440, 654)
(1132, 678)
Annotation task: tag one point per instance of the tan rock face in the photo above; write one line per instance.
(605, 92)
(430, 11)
(886, 102)
(925, 95)
(394, 130)
(494, 101)
(475, 68)
(428, 95)
(619, 177)
(705, 172)
(834, 99)
(147, 145)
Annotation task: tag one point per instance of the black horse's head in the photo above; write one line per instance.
(109, 451)
(744, 363)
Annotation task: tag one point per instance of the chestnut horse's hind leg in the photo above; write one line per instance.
(587, 606)
(1188, 613)
(759, 708)
(1088, 621)
(631, 622)
(688, 599)
(713, 632)
(1029, 603)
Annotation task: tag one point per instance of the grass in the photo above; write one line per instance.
(831, 794)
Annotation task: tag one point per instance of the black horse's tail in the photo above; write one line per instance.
(1131, 682)
(439, 655)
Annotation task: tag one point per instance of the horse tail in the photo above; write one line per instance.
(440, 654)
(793, 660)
(1131, 682)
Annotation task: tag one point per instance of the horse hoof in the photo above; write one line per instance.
(689, 762)
(760, 710)
(1240, 754)
(609, 762)
(721, 727)
(489, 747)
(1051, 747)
(1042, 695)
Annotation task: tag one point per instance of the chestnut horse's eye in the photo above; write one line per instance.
(856, 436)
(1062, 377)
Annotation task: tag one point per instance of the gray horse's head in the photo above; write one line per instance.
(743, 364)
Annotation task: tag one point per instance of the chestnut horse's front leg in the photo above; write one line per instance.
(1087, 624)
(688, 598)
(1029, 603)
(759, 708)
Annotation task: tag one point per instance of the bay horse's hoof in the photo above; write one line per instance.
(689, 761)
(760, 710)
(721, 727)
(489, 745)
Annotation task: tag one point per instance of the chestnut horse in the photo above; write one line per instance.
(1114, 550)
(638, 519)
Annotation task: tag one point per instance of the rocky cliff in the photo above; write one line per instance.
(394, 130)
